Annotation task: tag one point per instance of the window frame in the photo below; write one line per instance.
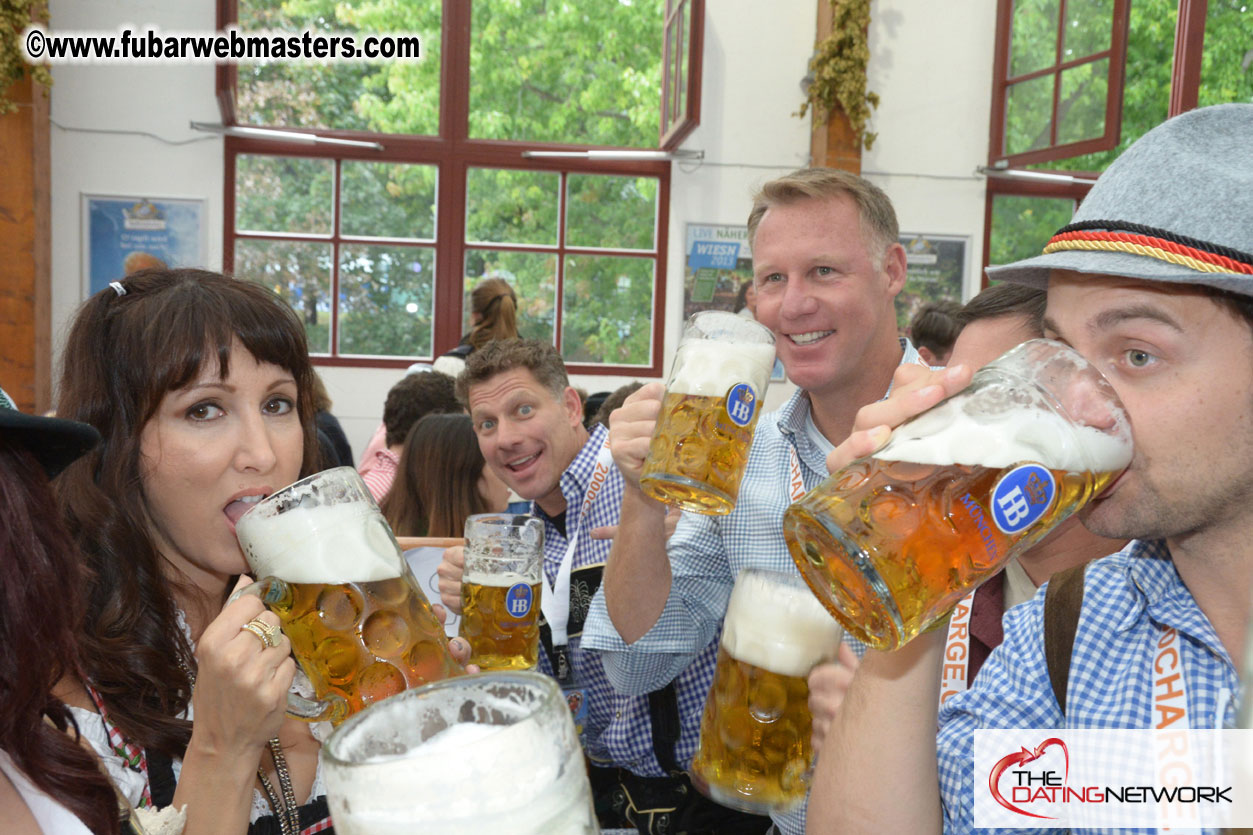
(1185, 82)
(676, 125)
(452, 151)
(1002, 81)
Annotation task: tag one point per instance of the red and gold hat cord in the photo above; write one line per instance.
(1134, 239)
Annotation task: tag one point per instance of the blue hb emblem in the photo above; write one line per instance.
(518, 600)
(1022, 496)
(741, 404)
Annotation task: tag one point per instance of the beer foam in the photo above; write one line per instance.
(338, 543)
(949, 435)
(504, 580)
(778, 626)
(710, 368)
(468, 777)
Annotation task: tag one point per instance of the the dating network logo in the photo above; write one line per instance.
(1107, 778)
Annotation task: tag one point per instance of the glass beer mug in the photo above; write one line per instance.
(487, 753)
(360, 627)
(755, 753)
(500, 590)
(893, 541)
(713, 398)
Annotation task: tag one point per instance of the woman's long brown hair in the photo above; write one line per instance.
(40, 608)
(436, 486)
(494, 300)
(123, 354)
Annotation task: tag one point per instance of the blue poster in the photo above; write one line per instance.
(125, 234)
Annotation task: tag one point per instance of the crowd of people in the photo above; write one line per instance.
(186, 396)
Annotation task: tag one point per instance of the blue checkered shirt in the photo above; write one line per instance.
(618, 730)
(1128, 598)
(706, 553)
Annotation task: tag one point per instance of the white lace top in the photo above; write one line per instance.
(132, 783)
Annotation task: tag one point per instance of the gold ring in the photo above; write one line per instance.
(266, 634)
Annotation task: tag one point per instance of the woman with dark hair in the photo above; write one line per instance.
(746, 300)
(442, 480)
(202, 390)
(493, 315)
(48, 782)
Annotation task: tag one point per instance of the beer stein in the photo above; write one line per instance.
(713, 398)
(487, 753)
(360, 627)
(500, 590)
(755, 753)
(893, 541)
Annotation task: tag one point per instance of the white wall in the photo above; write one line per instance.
(157, 99)
(931, 64)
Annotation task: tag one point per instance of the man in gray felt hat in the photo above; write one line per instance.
(1153, 283)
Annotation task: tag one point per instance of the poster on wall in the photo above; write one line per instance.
(124, 234)
(718, 274)
(935, 268)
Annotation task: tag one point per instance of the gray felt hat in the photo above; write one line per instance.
(1176, 206)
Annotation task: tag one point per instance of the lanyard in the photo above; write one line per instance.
(795, 484)
(955, 675)
(555, 599)
(1170, 695)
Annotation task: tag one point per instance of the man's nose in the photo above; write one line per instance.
(797, 299)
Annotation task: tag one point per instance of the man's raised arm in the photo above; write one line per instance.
(637, 573)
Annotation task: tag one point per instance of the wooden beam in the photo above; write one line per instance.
(832, 142)
(25, 250)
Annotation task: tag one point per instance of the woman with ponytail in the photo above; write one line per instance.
(493, 315)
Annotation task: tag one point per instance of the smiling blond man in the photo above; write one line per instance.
(827, 267)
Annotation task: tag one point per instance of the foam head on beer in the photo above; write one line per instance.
(312, 540)
(734, 353)
(478, 755)
(774, 622)
(950, 434)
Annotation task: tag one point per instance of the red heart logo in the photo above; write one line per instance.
(1019, 758)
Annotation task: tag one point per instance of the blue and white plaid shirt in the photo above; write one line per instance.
(618, 730)
(706, 553)
(1128, 598)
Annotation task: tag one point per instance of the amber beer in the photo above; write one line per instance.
(360, 627)
(500, 619)
(700, 445)
(755, 752)
(500, 590)
(892, 542)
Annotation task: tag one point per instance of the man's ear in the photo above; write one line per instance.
(894, 266)
(574, 405)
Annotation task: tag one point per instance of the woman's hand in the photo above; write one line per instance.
(241, 685)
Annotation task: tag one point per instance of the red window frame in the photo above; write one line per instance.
(680, 79)
(1002, 82)
(452, 151)
(1185, 82)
